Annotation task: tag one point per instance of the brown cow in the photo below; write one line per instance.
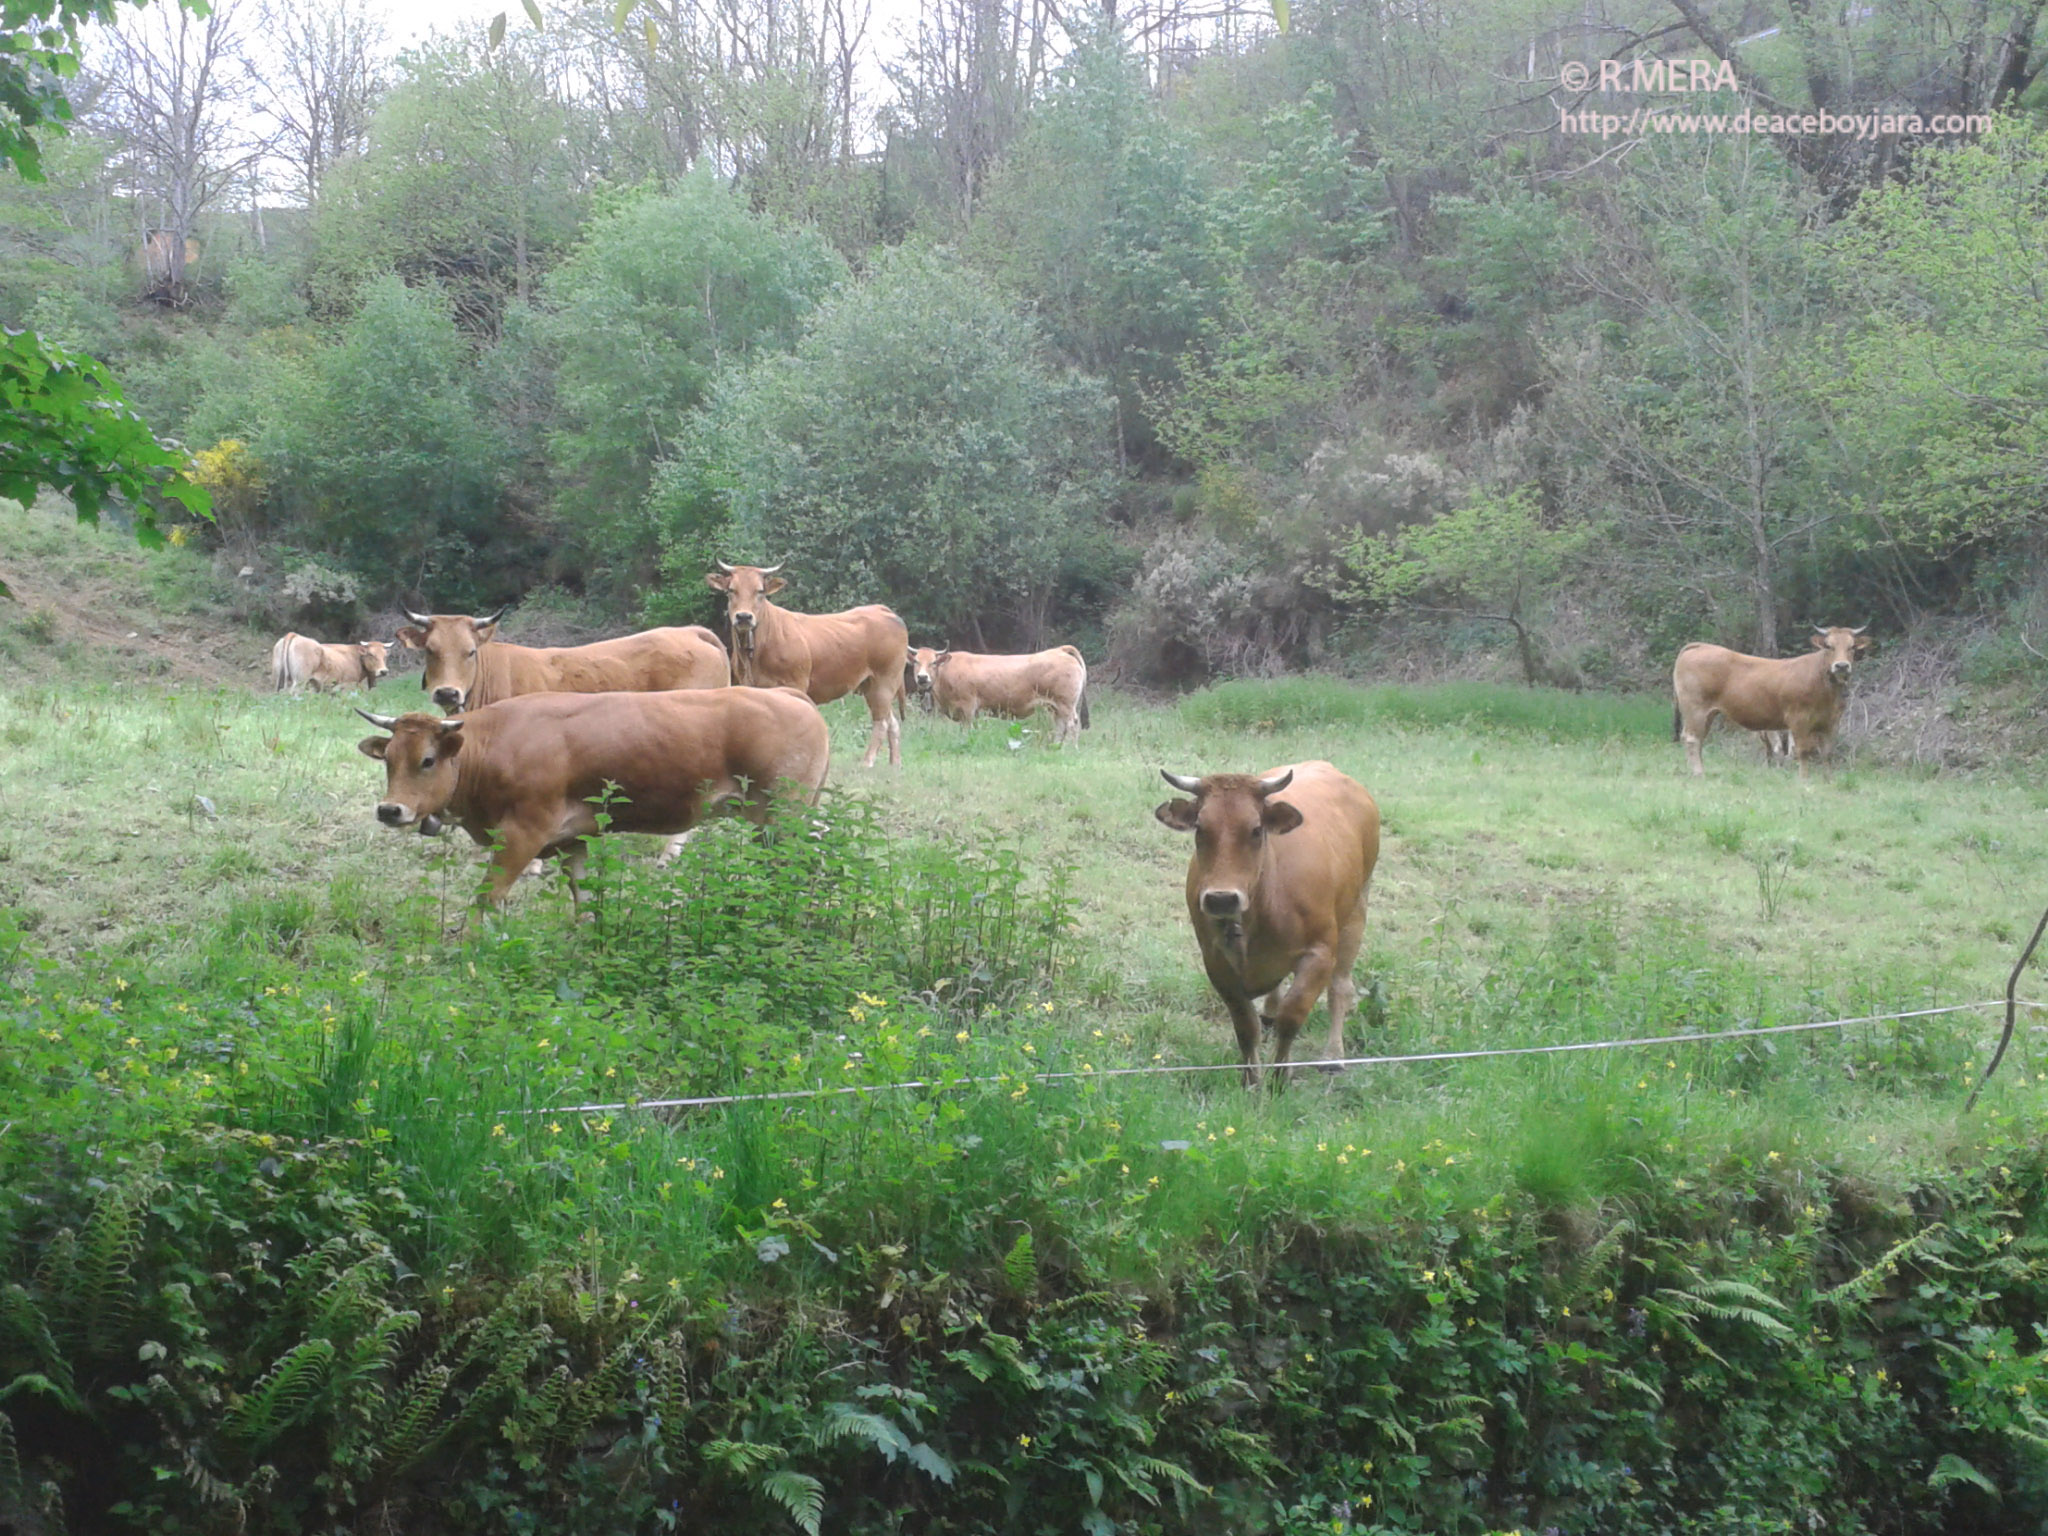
(1800, 695)
(297, 662)
(527, 769)
(962, 684)
(1276, 891)
(828, 655)
(467, 667)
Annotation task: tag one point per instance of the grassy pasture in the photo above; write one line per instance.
(1537, 846)
(228, 988)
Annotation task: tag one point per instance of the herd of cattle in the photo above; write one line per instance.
(656, 730)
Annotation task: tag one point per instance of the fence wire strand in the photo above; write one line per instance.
(721, 1100)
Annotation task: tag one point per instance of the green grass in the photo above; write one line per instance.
(208, 948)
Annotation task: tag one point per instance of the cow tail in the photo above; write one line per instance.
(280, 665)
(1081, 706)
(1677, 721)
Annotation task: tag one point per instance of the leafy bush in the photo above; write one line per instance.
(916, 448)
(662, 291)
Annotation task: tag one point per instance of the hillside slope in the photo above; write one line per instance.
(90, 603)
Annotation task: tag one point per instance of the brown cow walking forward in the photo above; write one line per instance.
(468, 667)
(827, 655)
(527, 770)
(963, 683)
(298, 662)
(1799, 695)
(1276, 891)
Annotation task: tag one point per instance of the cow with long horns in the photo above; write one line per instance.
(530, 774)
(827, 655)
(1276, 891)
(469, 667)
(1800, 695)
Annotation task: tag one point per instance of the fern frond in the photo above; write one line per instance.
(412, 1428)
(799, 1493)
(843, 1421)
(284, 1392)
(23, 1325)
(1020, 1266)
(1953, 1469)
(105, 1260)
(1857, 1290)
(538, 1416)
(1598, 1256)
(12, 1489)
(596, 1395)
(741, 1456)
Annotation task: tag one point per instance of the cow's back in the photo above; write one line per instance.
(654, 660)
(657, 750)
(1319, 871)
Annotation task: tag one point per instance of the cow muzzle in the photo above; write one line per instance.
(1223, 903)
(448, 698)
(392, 814)
(1839, 671)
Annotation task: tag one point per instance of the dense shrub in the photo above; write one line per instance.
(917, 448)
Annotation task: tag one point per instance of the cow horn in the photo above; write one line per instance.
(422, 619)
(1859, 629)
(726, 566)
(480, 623)
(1275, 784)
(450, 725)
(770, 570)
(1820, 629)
(382, 722)
(1182, 782)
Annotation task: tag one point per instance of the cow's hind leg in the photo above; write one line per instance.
(1343, 986)
(1693, 731)
(883, 726)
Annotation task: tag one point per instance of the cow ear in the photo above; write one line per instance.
(1820, 642)
(373, 746)
(485, 631)
(718, 581)
(940, 656)
(772, 585)
(448, 744)
(412, 638)
(1177, 814)
(1866, 645)
(1280, 817)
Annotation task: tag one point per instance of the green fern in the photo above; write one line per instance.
(1857, 1290)
(1953, 1469)
(1597, 1258)
(802, 1495)
(24, 1327)
(12, 1488)
(843, 1421)
(741, 1456)
(104, 1261)
(412, 1427)
(1020, 1266)
(283, 1394)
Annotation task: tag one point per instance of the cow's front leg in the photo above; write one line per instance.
(517, 847)
(1245, 1020)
